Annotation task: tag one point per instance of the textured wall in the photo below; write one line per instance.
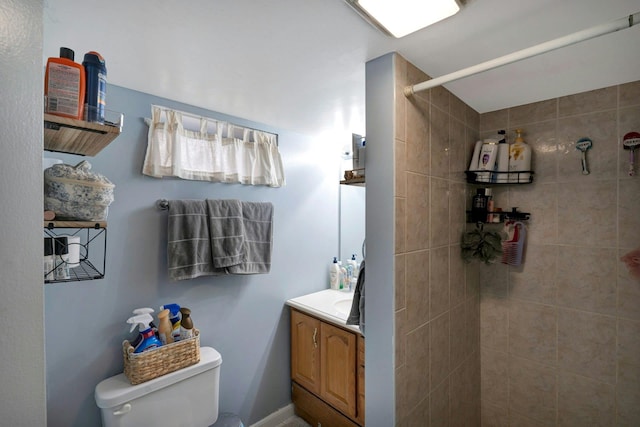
(22, 398)
(560, 335)
(437, 309)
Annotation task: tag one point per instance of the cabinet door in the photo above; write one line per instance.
(338, 360)
(360, 385)
(305, 352)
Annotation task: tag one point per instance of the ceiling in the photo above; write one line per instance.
(300, 65)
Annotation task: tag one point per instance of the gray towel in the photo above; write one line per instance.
(356, 315)
(189, 244)
(257, 220)
(226, 228)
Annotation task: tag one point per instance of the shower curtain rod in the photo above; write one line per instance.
(589, 33)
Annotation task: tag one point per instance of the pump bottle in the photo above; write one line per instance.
(186, 324)
(148, 339)
(174, 318)
(334, 274)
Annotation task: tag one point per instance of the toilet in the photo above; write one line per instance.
(187, 397)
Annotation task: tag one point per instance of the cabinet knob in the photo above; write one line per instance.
(315, 334)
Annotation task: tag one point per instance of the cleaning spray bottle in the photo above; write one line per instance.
(137, 312)
(148, 339)
(174, 318)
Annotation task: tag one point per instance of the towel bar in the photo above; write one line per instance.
(162, 204)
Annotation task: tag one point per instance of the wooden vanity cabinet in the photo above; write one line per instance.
(327, 370)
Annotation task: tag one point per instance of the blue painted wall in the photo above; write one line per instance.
(243, 317)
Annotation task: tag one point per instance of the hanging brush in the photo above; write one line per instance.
(583, 145)
(630, 142)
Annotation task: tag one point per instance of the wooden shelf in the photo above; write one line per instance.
(359, 181)
(73, 136)
(75, 224)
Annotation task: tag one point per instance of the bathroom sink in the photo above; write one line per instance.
(343, 306)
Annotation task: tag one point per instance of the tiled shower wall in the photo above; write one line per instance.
(437, 308)
(560, 335)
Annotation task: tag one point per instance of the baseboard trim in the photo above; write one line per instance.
(276, 418)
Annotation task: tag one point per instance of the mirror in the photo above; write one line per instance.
(351, 230)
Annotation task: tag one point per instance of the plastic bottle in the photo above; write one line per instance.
(502, 160)
(487, 160)
(49, 263)
(165, 331)
(519, 159)
(334, 274)
(186, 324)
(174, 318)
(343, 279)
(148, 339)
(64, 86)
(479, 206)
(143, 310)
(473, 165)
(352, 271)
(96, 86)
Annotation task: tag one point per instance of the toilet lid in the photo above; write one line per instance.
(117, 390)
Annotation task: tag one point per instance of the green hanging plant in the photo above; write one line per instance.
(485, 246)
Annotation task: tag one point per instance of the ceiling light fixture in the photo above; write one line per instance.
(401, 17)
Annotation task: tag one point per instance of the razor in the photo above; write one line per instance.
(583, 145)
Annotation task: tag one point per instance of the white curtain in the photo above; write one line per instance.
(231, 154)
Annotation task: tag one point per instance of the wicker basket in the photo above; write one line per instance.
(145, 366)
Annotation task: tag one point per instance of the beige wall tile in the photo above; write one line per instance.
(457, 151)
(401, 225)
(494, 121)
(587, 344)
(439, 281)
(401, 337)
(629, 211)
(400, 281)
(532, 390)
(585, 214)
(439, 143)
(587, 279)
(417, 212)
(439, 405)
(440, 98)
(402, 393)
(465, 392)
(401, 100)
(541, 138)
(533, 113)
(495, 380)
(457, 212)
(494, 415)
(419, 414)
(602, 158)
(584, 402)
(457, 108)
(536, 280)
(418, 137)
(494, 279)
(541, 201)
(532, 331)
(628, 354)
(494, 323)
(456, 276)
(628, 292)
(439, 211)
(439, 346)
(630, 94)
(418, 365)
(586, 102)
(417, 280)
(519, 420)
(401, 168)
(458, 338)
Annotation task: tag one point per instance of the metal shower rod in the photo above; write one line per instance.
(589, 33)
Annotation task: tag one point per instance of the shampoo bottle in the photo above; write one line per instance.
(487, 160)
(479, 206)
(334, 274)
(165, 331)
(473, 165)
(186, 324)
(519, 160)
(64, 86)
(502, 160)
(147, 338)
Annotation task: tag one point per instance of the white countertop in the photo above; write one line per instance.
(329, 305)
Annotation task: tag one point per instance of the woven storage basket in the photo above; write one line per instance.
(150, 364)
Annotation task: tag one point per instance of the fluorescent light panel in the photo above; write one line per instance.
(402, 17)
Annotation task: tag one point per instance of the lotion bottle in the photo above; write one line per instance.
(473, 165)
(487, 160)
(186, 324)
(165, 331)
(334, 274)
(64, 86)
(519, 159)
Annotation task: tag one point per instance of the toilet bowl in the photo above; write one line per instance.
(187, 397)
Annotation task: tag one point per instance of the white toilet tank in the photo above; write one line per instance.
(187, 397)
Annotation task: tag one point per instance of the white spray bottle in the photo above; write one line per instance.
(136, 312)
(148, 340)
